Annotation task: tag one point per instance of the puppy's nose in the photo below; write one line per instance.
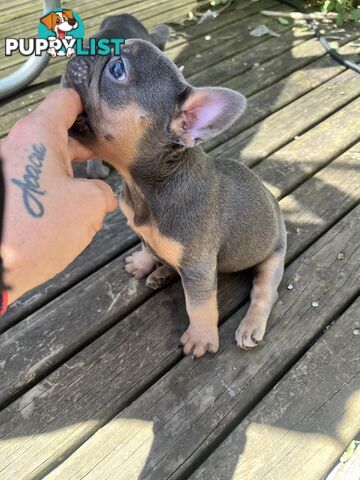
(71, 21)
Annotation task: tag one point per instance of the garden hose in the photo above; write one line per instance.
(331, 51)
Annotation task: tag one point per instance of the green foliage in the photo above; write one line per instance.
(283, 21)
(346, 10)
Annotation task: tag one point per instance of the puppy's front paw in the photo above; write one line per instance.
(199, 341)
(250, 333)
(140, 264)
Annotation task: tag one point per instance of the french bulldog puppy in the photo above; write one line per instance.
(122, 26)
(196, 215)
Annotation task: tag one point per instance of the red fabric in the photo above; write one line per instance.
(4, 300)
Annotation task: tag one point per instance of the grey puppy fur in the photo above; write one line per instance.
(195, 215)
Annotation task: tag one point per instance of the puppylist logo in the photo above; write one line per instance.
(61, 33)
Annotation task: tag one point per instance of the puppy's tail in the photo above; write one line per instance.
(160, 36)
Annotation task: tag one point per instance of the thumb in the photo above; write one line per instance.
(101, 191)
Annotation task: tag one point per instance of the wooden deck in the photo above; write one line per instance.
(93, 383)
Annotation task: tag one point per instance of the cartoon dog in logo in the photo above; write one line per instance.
(61, 23)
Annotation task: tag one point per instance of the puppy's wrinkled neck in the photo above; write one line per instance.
(156, 170)
(157, 178)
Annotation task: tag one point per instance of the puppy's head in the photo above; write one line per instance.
(60, 22)
(141, 102)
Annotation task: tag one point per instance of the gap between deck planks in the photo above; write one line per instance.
(174, 424)
(103, 244)
(305, 422)
(114, 357)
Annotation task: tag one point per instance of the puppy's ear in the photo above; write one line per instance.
(205, 113)
(160, 36)
(49, 20)
(68, 13)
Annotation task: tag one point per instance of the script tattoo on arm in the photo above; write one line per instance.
(30, 182)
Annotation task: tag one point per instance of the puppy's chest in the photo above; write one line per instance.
(164, 247)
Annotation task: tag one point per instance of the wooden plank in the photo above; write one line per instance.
(243, 60)
(14, 4)
(224, 43)
(27, 27)
(56, 67)
(237, 10)
(91, 307)
(168, 429)
(27, 12)
(308, 208)
(267, 101)
(217, 73)
(306, 421)
(259, 141)
(233, 14)
(42, 426)
(151, 14)
(24, 27)
(114, 238)
(301, 158)
(278, 95)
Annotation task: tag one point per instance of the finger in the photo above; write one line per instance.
(61, 107)
(78, 152)
(102, 193)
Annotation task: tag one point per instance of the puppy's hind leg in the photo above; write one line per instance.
(161, 277)
(262, 298)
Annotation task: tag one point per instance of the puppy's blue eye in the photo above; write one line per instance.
(117, 70)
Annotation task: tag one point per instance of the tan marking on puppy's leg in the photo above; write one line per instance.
(141, 263)
(263, 296)
(202, 335)
(165, 248)
(161, 277)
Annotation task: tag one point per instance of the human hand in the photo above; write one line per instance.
(50, 217)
